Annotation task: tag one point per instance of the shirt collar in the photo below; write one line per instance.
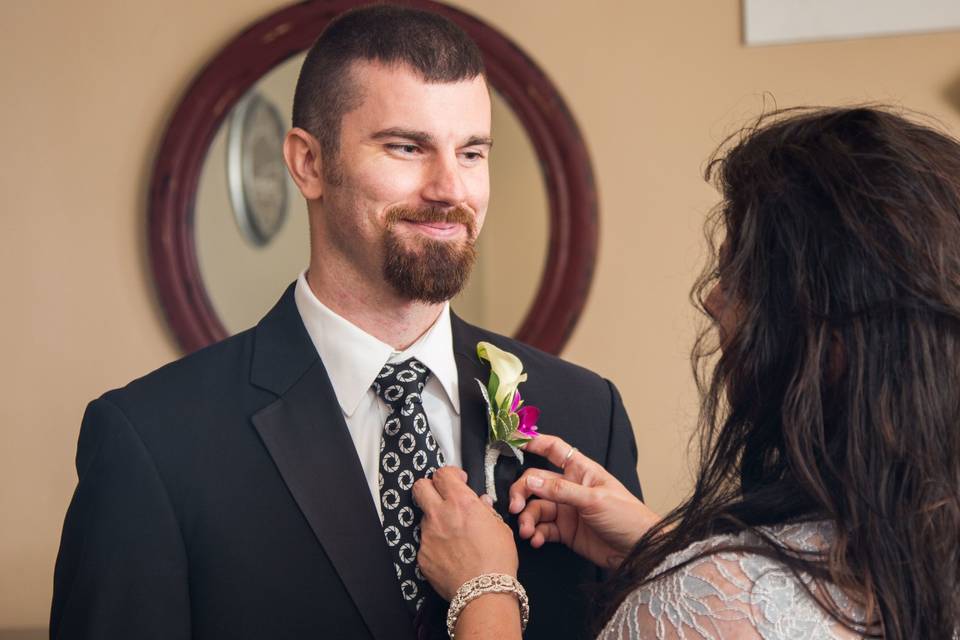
(353, 358)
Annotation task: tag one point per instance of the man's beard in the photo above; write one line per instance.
(423, 269)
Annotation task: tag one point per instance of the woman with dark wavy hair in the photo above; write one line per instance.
(827, 502)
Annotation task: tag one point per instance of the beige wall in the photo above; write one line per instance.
(87, 88)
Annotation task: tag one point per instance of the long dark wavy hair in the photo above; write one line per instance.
(837, 395)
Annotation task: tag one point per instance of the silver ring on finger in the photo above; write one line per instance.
(566, 458)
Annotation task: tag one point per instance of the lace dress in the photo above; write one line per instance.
(734, 596)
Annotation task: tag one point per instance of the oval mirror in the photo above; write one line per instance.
(228, 229)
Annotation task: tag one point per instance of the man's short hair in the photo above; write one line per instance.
(428, 43)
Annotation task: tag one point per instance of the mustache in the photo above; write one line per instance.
(430, 215)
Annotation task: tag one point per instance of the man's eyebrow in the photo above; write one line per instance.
(424, 138)
(420, 137)
(480, 141)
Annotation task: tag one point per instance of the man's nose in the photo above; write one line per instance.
(445, 184)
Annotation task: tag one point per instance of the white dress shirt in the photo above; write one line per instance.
(353, 358)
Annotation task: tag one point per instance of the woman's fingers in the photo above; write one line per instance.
(520, 490)
(538, 522)
(537, 511)
(451, 481)
(550, 447)
(572, 463)
(555, 488)
(554, 449)
(550, 486)
(546, 532)
(426, 496)
(561, 491)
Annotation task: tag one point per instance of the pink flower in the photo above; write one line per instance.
(528, 421)
(528, 416)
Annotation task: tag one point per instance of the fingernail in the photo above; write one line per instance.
(534, 481)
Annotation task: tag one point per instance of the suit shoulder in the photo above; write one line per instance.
(221, 363)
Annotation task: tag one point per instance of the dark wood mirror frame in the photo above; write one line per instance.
(568, 176)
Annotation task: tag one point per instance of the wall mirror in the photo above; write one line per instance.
(228, 229)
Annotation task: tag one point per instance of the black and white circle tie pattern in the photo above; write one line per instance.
(408, 452)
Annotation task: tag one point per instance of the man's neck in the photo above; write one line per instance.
(373, 307)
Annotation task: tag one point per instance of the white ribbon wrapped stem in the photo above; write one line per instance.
(489, 464)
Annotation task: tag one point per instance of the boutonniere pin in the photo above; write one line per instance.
(512, 423)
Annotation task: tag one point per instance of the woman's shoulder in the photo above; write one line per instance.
(735, 594)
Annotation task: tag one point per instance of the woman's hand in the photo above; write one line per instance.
(585, 508)
(461, 537)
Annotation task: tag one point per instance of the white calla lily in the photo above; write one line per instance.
(508, 368)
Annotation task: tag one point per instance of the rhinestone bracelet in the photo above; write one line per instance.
(487, 583)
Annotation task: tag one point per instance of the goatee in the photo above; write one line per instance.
(423, 269)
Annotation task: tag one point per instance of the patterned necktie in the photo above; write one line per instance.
(408, 452)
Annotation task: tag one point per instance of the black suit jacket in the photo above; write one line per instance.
(221, 497)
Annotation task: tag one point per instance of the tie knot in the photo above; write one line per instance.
(401, 383)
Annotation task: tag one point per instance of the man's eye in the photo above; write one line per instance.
(404, 148)
(473, 156)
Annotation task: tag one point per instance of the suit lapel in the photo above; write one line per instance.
(473, 409)
(473, 417)
(305, 434)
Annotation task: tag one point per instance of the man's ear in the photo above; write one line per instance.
(301, 153)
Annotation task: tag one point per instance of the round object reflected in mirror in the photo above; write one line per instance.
(256, 175)
(244, 276)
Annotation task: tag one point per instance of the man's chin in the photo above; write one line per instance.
(428, 270)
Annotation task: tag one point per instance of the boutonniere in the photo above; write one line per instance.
(512, 423)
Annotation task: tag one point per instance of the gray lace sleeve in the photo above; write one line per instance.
(731, 596)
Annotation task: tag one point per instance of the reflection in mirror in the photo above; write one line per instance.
(253, 243)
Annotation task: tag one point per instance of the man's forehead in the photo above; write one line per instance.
(398, 95)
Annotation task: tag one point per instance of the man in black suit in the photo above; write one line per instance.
(248, 490)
